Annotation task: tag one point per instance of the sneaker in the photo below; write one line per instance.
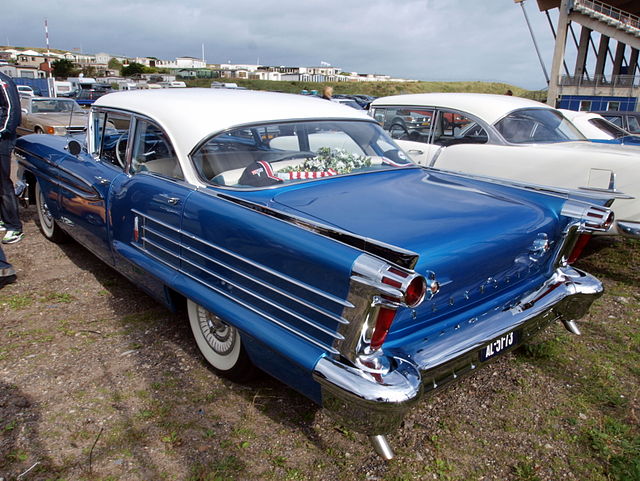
(2, 227)
(4, 280)
(12, 236)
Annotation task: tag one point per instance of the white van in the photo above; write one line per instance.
(173, 84)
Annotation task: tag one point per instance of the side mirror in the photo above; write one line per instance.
(74, 147)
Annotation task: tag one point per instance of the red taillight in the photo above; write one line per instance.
(415, 291)
(581, 243)
(383, 324)
(392, 282)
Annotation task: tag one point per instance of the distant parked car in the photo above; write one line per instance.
(513, 138)
(348, 102)
(89, 96)
(598, 129)
(303, 242)
(51, 115)
(25, 91)
(629, 121)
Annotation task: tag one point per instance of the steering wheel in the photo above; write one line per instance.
(398, 132)
(121, 144)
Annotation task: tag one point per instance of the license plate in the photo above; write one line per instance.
(499, 345)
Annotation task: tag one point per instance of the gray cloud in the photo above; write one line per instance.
(422, 39)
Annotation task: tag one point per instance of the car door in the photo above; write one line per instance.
(146, 208)
(87, 179)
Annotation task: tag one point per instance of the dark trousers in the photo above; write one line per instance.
(5, 268)
(8, 200)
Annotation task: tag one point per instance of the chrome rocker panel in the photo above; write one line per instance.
(375, 403)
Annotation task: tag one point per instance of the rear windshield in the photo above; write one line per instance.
(280, 153)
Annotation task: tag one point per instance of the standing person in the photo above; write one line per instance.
(10, 116)
(7, 272)
(327, 92)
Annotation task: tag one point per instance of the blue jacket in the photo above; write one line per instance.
(10, 113)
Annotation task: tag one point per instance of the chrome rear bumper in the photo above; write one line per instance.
(375, 403)
(629, 229)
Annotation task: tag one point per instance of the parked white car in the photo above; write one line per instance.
(514, 138)
(25, 91)
(595, 127)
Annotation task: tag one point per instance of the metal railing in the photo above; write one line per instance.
(624, 19)
(606, 80)
(616, 85)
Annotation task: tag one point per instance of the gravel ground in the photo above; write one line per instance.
(98, 382)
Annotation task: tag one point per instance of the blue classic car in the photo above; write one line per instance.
(304, 243)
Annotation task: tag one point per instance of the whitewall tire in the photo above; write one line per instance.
(220, 343)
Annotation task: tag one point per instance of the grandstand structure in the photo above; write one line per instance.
(606, 71)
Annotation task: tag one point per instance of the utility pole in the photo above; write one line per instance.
(535, 44)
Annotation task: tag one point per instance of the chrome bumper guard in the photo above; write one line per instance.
(375, 403)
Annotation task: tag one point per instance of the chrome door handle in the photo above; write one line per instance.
(173, 200)
(102, 180)
(417, 152)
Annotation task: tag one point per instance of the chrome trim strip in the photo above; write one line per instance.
(247, 306)
(319, 310)
(146, 240)
(268, 270)
(309, 322)
(162, 236)
(159, 247)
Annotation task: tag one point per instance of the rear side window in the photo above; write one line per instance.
(537, 125)
(406, 123)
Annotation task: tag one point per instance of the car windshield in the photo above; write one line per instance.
(49, 106)
(280, 153)
(537, 126)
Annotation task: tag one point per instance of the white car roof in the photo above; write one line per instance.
(573, 115)
(190, 115)
(488, 107)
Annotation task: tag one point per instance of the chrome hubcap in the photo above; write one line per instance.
(219, 335)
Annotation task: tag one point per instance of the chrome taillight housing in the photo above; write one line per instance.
(378, 289)
(589, 218)
(592, 217)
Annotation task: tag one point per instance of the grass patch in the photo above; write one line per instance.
(223, 469)
(58, 297)
(617, 445)
(16, 301)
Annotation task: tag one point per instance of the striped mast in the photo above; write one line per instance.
(46, 37)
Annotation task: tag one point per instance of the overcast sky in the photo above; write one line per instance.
(420, 39)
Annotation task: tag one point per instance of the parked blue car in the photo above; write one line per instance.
(304, 243)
